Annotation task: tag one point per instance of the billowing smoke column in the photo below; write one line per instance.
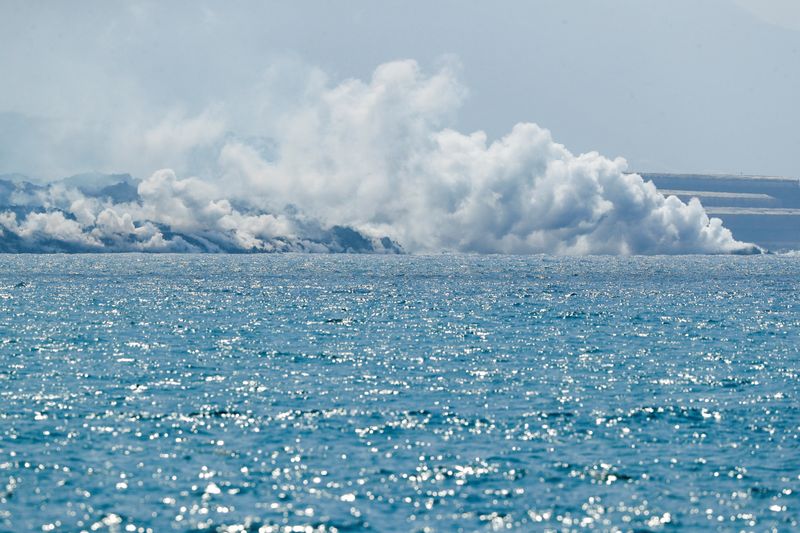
(369, 167)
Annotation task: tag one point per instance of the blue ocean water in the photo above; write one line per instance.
(341, 393)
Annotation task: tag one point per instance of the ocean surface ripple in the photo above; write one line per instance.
(398, 393)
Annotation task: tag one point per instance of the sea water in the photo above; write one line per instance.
(299, 392)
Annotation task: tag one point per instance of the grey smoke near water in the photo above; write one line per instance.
(363, 166)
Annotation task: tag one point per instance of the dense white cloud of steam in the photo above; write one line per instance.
(376, 157)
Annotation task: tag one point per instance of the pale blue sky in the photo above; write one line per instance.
(683, 86)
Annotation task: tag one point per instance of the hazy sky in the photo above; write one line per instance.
(684, 85)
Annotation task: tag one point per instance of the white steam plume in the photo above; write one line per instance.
(366, 160)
